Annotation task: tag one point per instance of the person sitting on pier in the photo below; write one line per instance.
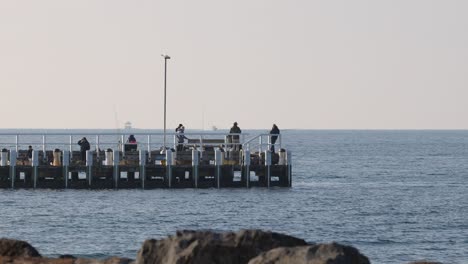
(84, 146)
(235, 138)
(131, 139)
(274, 132)
(180, 137)
(131, 144)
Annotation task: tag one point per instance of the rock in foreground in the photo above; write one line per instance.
(39, 260)
(315, 254)
(425, 262)
(206, 247)
(210, 247)
(17, 248)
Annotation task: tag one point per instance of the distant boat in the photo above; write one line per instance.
(214, 128)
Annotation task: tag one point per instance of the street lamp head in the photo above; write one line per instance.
(166, 57)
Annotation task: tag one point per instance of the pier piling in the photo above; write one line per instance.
(268, 167)
(13, 155)
(66, 164)
(195, 163)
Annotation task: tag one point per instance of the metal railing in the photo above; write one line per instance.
(117, 140)
(262, 142)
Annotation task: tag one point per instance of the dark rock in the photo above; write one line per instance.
(34, 260)
(117, 260)
(211, 247)
(17, 248)
(425, 262)
(315, 254)
(112, 260)
(39, 260)
(66, 256)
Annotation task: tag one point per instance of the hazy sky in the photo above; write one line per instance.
(319, 64)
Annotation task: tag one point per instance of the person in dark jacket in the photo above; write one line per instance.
(30, 151)
(131, 139)
(235, 130)
(274, 132)
(180, 137)
(84, 146)
(29, 155)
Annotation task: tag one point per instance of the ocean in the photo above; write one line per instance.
(397, 196)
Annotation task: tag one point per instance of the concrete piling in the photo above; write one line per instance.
(13, 167)
(268, 167)
(195, 163)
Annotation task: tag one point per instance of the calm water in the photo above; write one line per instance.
(397, 196)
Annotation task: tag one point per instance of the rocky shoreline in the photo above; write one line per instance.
(207, 247)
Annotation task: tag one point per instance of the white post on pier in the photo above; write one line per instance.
(71, 146)
(116, 168)
(268, 166)
(280, 142)
(17, 143)
(44, 155)
(169, 167)
(89, 165)
(66, 163)
(269, 142)
(13, 167)
(97, 145)
(142, 157)
(260, 144)
(195, 162)
(149, 146)
(247, 167)
(122, 145)
(4, 158)
(34, 164)
(218, 163)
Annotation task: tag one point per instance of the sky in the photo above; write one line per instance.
(301, 64)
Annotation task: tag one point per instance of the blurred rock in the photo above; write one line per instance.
(17, 248)
(211, 247)
(33, 260)
(425, 262)
(39, 260)
(333, 253)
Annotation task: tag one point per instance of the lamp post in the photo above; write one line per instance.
(166, 57)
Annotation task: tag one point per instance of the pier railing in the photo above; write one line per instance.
(262, 142)
(145, 140)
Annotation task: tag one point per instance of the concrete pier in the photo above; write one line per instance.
(139, 171)
(207, 160)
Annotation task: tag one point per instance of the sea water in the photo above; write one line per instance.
(397, 196)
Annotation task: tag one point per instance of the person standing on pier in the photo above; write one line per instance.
(180, 137)
(235, 138)
(30, 151)
(274, 132)
(84, 146)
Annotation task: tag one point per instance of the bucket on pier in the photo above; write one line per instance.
(4, 157)
(219, 156)
(173, 157)
(57, 158)
(109, 161)
(282, 157)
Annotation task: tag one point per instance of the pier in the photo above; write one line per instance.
(205, 160)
